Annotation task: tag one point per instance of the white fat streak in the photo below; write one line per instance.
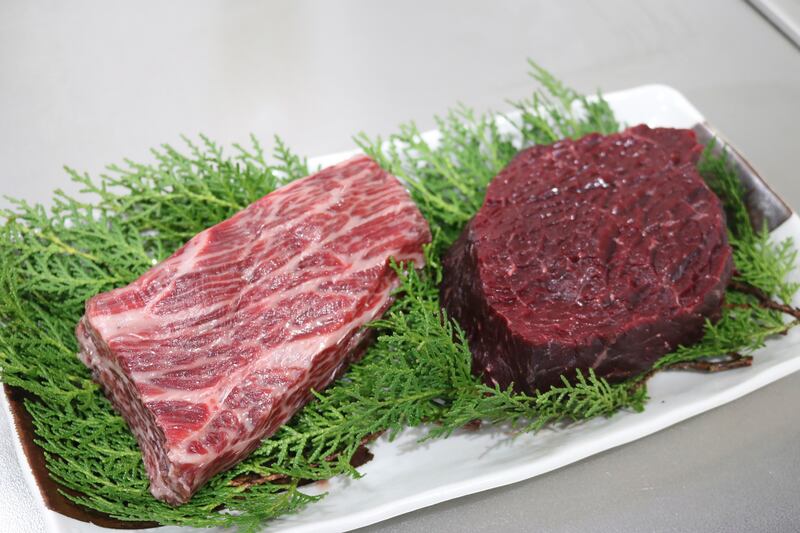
(140, 318)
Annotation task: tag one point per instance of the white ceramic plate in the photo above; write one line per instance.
(405, 476)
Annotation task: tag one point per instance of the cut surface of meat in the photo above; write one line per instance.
(602, 253)
(216, 347)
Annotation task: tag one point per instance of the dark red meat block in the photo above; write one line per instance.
(216, 347)
(606, 253)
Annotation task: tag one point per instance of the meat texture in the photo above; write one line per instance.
(220, 344)
(603, 253)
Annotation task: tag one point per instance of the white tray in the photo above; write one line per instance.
(405, 476)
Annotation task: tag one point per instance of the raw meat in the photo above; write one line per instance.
(605, 253)
(216, 347)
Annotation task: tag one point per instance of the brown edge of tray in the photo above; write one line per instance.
(762, 203)
(48, 488)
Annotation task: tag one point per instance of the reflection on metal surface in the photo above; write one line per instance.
(763, 204)
(783, 14)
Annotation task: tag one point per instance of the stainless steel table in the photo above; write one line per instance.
(87, 83)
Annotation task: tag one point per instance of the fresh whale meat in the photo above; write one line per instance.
(601, 253)
(217, 346)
